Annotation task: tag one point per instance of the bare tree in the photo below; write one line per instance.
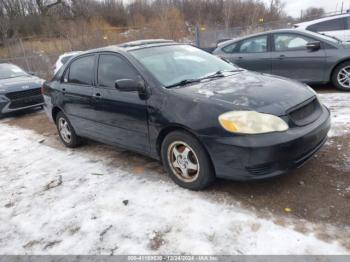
(312, 13)
(44, 6)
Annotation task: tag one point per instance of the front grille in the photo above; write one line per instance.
(24, 93)
(25, 98)
(27, 101)
(306, 114)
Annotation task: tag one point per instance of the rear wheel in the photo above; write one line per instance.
(66, 131)
(186, 161)
(341, 76)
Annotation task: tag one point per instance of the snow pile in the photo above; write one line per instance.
(56, 201)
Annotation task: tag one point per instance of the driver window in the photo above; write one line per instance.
(291, 42)
(112, 68)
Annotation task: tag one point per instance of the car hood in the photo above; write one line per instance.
(19, 84)
(250, 91)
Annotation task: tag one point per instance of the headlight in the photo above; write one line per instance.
(251, 122)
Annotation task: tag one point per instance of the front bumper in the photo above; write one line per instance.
(250, 157)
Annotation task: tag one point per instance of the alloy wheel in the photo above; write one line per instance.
(343, 77)
(64, 130)
(183, 161)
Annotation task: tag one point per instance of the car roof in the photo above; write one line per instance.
(323, 19)
(134, 45)
(70, 53)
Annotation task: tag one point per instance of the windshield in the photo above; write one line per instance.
(176, 63)
(10, 71)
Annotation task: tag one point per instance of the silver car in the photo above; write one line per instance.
(298, 54)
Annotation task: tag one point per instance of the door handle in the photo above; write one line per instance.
(97, 95)
(282, 57)
(240, 57)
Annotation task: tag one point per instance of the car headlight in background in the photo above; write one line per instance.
(251, 122)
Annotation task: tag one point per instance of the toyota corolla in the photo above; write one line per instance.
(204, 118)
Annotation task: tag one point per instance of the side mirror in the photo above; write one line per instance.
(31, 73)
(313, 46)
(129, 85)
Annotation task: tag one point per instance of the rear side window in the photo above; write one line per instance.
(81, 71)
(230, 48)
(112, 68)
(254, 45)
(330, 25)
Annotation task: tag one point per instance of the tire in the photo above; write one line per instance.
(339, 71)
(69, 139)
(181, 154)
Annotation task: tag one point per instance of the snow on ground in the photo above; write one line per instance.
(339, 104)
(56, 201)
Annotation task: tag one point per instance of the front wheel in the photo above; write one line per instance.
(66, 131)
(341, 76)
(186, 161)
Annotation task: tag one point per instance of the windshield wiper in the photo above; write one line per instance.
(220, 73)
(217, 74)
(184, 82)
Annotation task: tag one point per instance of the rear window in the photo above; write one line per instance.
(330, 25)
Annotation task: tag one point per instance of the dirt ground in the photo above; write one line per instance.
(318, 192)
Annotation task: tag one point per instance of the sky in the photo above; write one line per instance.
(293, 7)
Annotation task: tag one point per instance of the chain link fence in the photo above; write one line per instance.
(208, 38)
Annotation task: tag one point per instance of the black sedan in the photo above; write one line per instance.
(18, 89)
(301, 55)
(201, 116)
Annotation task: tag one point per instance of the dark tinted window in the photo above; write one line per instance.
(254, 45)
(330, 25)
(81, 71)
(112, 68)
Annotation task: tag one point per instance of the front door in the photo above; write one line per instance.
(292, 59)
(121, 116)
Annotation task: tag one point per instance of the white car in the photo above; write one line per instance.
(337, 26)
(62, 59)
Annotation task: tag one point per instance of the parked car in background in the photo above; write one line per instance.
(201, 116)
(298, 54)
(18, 90)
(337, 26)
(62, 59)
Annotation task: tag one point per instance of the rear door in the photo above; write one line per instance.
(77, 88)
(121, 116)
(292, 59)
(252, 54)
